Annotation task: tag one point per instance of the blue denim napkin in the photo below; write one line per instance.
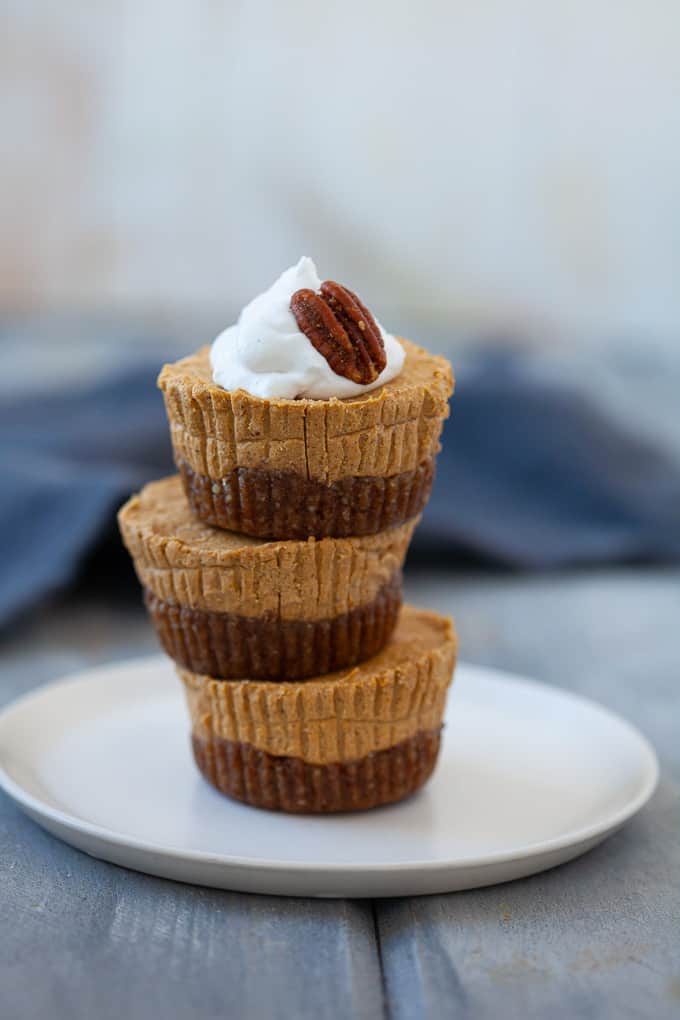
(532, 475)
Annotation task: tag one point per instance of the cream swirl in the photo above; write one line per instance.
(266, 354)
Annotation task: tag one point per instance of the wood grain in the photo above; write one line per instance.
(91, 940)
(596, 937)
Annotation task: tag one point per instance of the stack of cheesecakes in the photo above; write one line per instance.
(271, 564)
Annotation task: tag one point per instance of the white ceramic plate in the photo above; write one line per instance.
(529, 777)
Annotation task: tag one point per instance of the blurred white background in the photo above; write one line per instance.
(472, 166)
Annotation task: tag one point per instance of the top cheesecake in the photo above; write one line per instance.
(294, 468)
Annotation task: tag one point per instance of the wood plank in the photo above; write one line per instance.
(86, 939)
(597, 937)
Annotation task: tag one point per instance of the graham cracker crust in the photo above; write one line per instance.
(273, 504)
(290, 784)
(228, 646)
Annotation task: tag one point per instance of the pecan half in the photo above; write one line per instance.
(342, 329)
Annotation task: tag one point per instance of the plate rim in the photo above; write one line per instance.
(37, 808)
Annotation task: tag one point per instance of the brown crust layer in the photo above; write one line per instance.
(290, 784)
(283, 504)
(227, 646)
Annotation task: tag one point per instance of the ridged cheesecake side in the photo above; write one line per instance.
(349, 740)
(232, 606)
(294, 468)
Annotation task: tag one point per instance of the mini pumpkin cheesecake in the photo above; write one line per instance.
(348, 741)
(231, 605)
(306, 418)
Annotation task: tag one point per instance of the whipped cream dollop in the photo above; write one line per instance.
(266, 354)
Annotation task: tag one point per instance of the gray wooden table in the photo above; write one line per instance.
(599, 937)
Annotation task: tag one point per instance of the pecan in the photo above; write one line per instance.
(342, 329)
